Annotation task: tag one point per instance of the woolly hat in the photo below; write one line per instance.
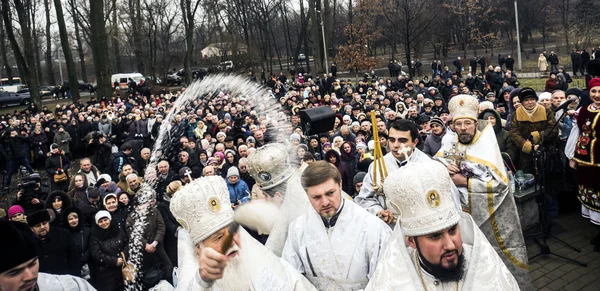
(15, 209)
(221, 133)
(17, 244)
(202, 207)
(294, 136)
(233, 171)
(250, 139)
(102, 214)
(573, 91)
(227, 116)
(355, 123)
(38, 217)
(438, 121)
(359, 177)
(361, 145)
(545, 96)
(593, 83)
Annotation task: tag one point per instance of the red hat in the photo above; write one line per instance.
(593, 83)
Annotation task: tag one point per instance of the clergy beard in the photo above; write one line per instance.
(236, 275)
(465, 138)
(453, 274)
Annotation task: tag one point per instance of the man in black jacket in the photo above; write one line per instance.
(16, 153)
(576, 62)
(54, 245)
(553, 60)
(32, 194)
(510, 63)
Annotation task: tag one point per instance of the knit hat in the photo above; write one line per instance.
(38, 217)
(355, 123)
(220, 155)
(221, 133)
(233, 171)
(527, 93)
(17, 244)
(53, 146)
(438, 121)
(346, 117)
(102, 214)
(294, 136)
(359, 177)
(593, 83)
(361, 145)
(545, 96)
(227, 116)
(15, 209)
(573, 91)
(250, 139)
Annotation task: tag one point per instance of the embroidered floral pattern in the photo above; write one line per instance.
(583, 143)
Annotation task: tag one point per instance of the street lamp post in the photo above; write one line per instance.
(518, 38)
(324, 44)
(60, 67)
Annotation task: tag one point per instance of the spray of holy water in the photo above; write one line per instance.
(214, 87)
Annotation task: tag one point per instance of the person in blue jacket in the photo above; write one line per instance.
(238, 189)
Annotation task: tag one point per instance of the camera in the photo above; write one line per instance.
(28, 185)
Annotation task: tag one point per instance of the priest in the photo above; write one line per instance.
(403, 138)
(337, 243)
(207, 261)
(435, 247)
(476, 167)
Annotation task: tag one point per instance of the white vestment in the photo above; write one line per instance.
(341, 257)
(366, 197)
(50, 282)
(266, 272)
(484, 269)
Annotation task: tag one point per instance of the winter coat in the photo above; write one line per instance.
(551, 85)
(553, 59)
(80, 237)
(171, 226)
(63, 140)
(119, 160)
(505, 142)
(526, 131)
(88, 212)
(119, 216)
(58, 220)
(17, 147)
(55, 252)
(154, 230)
(142, 127)
(112, 188)
(351, 159)
(238, 191)
(433, 143)
(105, 127)
(39, 145)
(106, 246)
(53, 164)
(76, 144)
(542, 64)
(347, 179)
(162, 183)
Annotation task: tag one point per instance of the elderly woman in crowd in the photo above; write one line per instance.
(107, 244)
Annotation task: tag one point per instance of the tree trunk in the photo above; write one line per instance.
(77, 25)
(64, 40)
(99, 42)
(317, 39)
(25, 59)
(115, 39)
(49, 60)
(6, 65)
(304, 23)
(136, 18)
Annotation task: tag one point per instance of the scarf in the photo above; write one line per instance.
(532, 111)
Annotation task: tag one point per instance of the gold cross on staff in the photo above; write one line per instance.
(378, 162)
(455, 155)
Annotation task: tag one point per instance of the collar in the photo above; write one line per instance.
(333, 220)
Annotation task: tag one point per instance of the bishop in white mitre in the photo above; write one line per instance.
(435, 247)
(337, 243)
(204, 211)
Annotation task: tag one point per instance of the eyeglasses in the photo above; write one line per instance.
(464, 123)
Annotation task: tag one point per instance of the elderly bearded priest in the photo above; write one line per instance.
(446, 250)
(337, 243)
(475, 165)
(204, 211)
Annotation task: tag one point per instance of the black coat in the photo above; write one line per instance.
(347, 179)
(55, 253)
(17, 147)
(105, 248)
(171, 226)
(80, 238)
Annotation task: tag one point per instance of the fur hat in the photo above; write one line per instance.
(102, 214)
(17, 244)
(38, 217)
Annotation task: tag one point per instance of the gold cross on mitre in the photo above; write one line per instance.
(455, 155)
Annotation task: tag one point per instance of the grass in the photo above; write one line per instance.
(539, 84)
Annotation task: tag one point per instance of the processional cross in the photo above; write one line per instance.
(455, 155)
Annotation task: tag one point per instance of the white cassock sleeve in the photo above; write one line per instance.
(573, 138)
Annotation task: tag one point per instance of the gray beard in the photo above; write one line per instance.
(236, 275)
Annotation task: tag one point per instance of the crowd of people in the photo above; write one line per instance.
(80, 165)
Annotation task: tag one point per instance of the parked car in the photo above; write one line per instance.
(45, 91)
(301, 58)
(226, 66)
(10, 98)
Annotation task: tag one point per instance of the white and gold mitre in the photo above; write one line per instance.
(464, 106)
(422, 194)
(202, 207)
(270, 165)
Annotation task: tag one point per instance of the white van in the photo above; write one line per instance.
(16, 85)
(123, 79)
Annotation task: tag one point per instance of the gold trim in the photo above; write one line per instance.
(494, 224)
(469, 192)
(488, 164)
(592, 142)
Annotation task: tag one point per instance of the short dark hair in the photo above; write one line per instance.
(126, 146)
(319, 172)
(405, 125)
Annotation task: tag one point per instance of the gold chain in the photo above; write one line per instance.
(418, 267)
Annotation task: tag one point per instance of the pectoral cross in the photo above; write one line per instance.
(455, 155)
(188, 173)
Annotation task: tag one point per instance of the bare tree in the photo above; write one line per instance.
(25, 57)
(99, 44)
(188, 9)
(48, 55)
(66, 48)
